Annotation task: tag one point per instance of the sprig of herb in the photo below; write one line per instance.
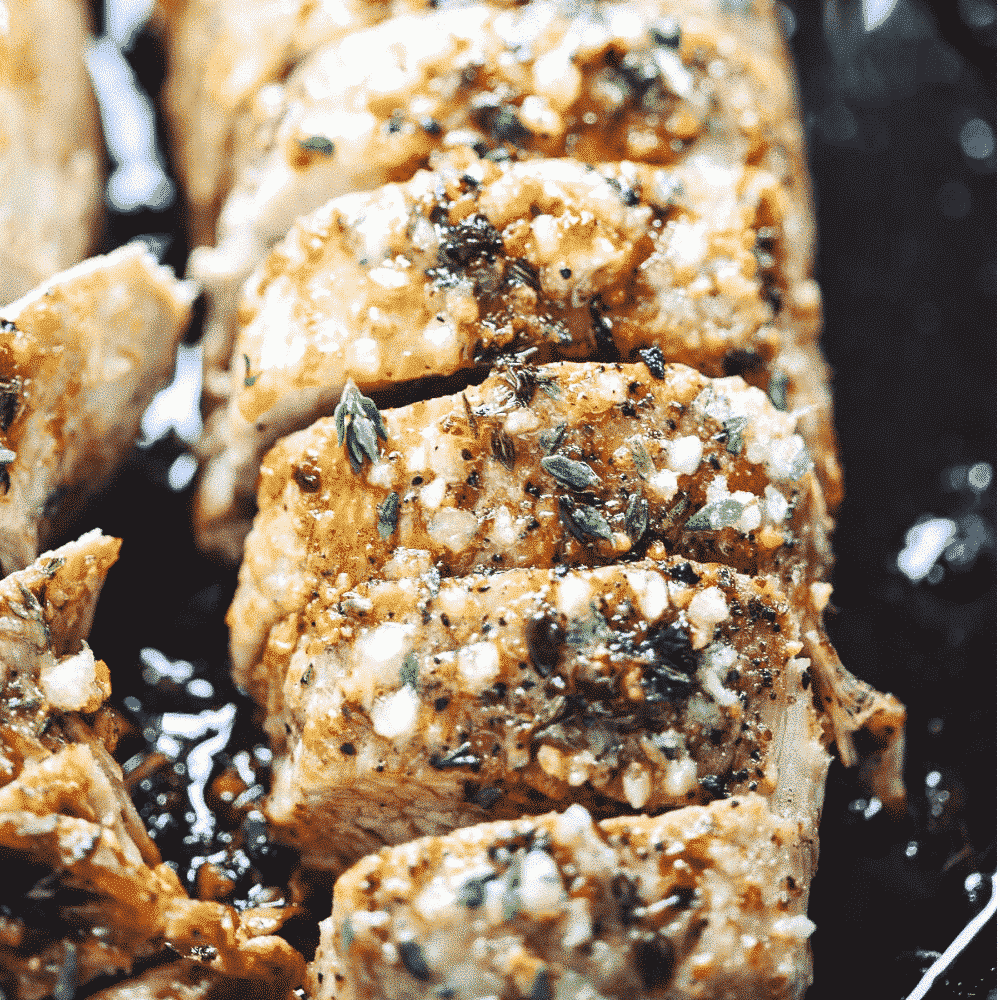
(734, 433)
(359, 422)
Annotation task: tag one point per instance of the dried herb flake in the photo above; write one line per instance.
(583, 523)
(388, 515)
(636, 517)
(318, 144)
(734, 433)
(575, 475)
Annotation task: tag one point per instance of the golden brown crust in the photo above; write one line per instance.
(67, 824)
(51, 151)
(704, 901)
(80, 359)
(418, 706)
(443, 273)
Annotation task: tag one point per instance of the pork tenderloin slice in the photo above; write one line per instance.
(445, 272)
(420, 705)
(52, 152)
(81, 357)
(221, 54)
(705, 901)
(575, 464)
(605, 83)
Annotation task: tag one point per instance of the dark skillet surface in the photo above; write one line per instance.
(907, 263)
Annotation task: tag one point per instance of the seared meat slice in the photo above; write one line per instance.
(86, 892)
(535, 467)
(80, 359)
(420, 705)
(659, 83)
(221, 55)
(706, 901)
(445, 272)
(51, 150)
(183, 980)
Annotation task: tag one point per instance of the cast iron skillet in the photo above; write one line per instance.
(906, 201)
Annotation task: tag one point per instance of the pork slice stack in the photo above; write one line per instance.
(540, 548)
(598, 84)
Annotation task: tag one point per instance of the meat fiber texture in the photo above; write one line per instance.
(442, 274)
(705, 901)
(51, 150)
(421, 705)
(81, 357)
(69, 834)
(667, 84)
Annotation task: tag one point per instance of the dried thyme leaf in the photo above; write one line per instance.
(366, 426)
(388, 515)
(472, 892)
(410, 670)
(318, 144)
(666, 32)
(248, 379)
(550, 440)
(734, 433)
(653, 359)
(777, 391)
(640, 456)
(575, 475)
(583, 523)
(636, 517)
(503, 447)
(412, 957)
(721, 514)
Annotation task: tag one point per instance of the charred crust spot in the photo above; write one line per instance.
(741, 362)
(714, 785)
(683, 573)
(307, 478)
(544, 637)
(655, 960)
(652, 357)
